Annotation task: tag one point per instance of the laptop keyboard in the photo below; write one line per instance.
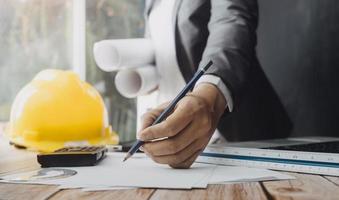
(323, 147)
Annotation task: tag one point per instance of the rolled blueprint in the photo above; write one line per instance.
(138, 81)
(112, 55)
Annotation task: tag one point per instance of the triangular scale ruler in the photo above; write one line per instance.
(294, 161)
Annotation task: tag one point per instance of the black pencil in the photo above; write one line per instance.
(171, 106)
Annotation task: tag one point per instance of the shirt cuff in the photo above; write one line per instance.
(215, 80)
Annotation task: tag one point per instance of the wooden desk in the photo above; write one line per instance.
(304, 187)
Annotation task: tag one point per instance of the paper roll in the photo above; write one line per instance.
(112, 55)
(135, 82)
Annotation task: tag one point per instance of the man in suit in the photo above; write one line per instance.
(234, 97)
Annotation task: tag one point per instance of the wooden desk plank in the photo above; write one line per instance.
(22, 191)
(13, 159)
(245, 191)
(305, 187)
(135, 194)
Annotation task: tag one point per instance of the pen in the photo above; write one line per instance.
(137, 144)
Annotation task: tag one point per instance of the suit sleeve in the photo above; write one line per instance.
(231, 42)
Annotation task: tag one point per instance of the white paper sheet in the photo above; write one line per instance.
(142, 172)
(222, 174)
(112, 55)
(135, 172)
(135, 82)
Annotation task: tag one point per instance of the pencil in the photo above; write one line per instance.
(137, 144)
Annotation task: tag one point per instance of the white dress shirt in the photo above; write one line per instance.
(171, 81)
(161, 32)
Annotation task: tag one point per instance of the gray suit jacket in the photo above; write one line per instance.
(225, 31)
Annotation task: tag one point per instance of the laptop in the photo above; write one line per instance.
(315, 155)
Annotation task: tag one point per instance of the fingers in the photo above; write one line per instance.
(187, 163)
(149, 117)
(176, 122)
(174, 144)
(187, 129)
(179, 157)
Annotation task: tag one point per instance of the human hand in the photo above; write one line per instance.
(188, 129)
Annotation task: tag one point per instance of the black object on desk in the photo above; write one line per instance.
(73, 156)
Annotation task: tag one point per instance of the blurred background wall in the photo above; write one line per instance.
(298, 46)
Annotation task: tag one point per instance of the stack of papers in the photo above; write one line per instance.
(141, 172)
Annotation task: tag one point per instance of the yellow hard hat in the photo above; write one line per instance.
(57, 109)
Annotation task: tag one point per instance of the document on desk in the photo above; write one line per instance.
(141, 172)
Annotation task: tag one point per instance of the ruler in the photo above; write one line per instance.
(294, 161)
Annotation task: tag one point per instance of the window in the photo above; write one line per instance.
(39, 34)
(111, 20)
(35, 34)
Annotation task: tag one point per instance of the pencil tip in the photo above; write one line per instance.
(127, 156)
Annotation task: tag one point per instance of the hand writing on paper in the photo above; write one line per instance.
(188, 128)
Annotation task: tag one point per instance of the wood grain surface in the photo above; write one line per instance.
(304, 187)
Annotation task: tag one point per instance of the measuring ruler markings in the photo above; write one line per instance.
(306, 162)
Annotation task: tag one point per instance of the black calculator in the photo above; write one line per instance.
(73, 156)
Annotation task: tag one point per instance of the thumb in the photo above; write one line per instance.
(149, 117)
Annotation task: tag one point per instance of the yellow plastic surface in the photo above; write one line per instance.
(57, 109)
